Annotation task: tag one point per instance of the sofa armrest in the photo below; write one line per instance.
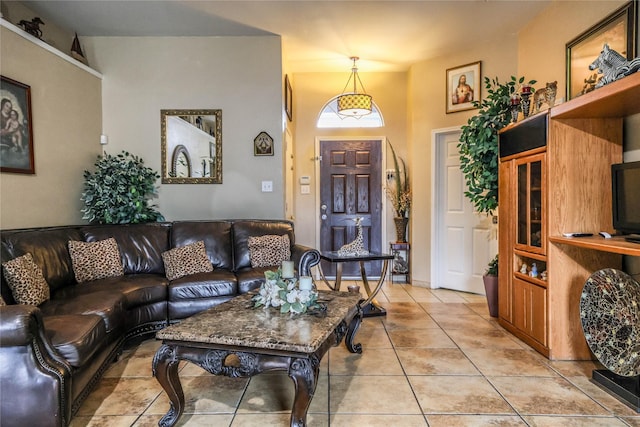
(35, 380)
(305, 257)
(16, 324)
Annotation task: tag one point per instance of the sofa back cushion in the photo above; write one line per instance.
(243, 229)
(215, 234)
(141, 245)
(48, 247)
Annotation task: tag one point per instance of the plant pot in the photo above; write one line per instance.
(491, 289)
(401, 228)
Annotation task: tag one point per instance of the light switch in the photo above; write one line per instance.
(267, 186)
(305, 189)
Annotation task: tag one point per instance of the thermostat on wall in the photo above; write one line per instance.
(305, 180)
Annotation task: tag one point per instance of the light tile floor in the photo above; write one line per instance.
(437, 359)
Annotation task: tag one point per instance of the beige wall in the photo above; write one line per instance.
(537, 52)
(311, 91)
(240, 75)
(542, 43)
(66, 117)
(428, 113)
(549, 64)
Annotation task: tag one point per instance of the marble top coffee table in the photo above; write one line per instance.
(235, 340)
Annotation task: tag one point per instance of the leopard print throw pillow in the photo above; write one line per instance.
(186, 260)
(269, 250)
(95, 260)
(26, 281)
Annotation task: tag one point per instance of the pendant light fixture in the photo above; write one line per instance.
(354, 104)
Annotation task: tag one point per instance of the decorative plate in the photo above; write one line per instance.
(610, 316)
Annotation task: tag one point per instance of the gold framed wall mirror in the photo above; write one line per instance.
(191, 146)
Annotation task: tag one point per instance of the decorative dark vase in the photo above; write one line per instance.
(401, 228)
(491, 289)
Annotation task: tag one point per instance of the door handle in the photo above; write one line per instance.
(323, 216)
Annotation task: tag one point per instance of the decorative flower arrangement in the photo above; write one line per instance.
(277, 291)
(400, 193)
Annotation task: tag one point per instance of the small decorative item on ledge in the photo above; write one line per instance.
(525, 94)
(287, 294)
(515, 107)
(32, 27)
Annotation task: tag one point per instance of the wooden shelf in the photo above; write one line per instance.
(617, 99)
(19, 31)
(616, 245)
(535, 281)
(532, 255)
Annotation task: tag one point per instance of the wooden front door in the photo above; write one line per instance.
(350, 187)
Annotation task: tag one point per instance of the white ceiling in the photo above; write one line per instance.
(317, 35)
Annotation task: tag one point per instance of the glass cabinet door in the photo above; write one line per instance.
(530, 203)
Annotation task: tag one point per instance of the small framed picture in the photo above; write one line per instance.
(463, 87)
(288, 98)
(263, 145)
(16, 132)
(617, 30)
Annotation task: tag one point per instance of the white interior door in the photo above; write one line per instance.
(465, 241)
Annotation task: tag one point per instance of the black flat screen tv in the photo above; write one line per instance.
(625, 179)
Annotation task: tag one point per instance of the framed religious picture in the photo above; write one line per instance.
(616, 30)
(463, 87)
(263, 145)
(16, 148)
(288, 98)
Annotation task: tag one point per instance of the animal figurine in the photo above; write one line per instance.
(357, 246)
(32, 27)
(545, 96)
(589, 83)
(523, 268)
(613, 66)
(534, 270)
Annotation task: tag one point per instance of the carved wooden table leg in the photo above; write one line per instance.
(304, 373)
(165, 369)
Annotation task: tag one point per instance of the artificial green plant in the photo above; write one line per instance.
(479, 143)
(119, 191)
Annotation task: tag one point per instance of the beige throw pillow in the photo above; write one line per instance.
(95, 260)
(26, 281)
(269, 250)
(186, 260)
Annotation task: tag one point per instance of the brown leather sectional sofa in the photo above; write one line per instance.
(52, 355)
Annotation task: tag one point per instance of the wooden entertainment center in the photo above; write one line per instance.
(555, 177)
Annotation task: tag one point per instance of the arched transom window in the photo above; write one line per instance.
(329, 117)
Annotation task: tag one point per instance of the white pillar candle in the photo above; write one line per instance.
(306, 283)
(287, 269)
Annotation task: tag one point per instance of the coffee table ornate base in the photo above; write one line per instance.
(245, 361)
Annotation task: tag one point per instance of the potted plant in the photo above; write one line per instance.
(490, 279)
(479, 143)
(400, 196)
(119, 190)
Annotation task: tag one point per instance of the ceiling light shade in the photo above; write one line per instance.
(354, 104)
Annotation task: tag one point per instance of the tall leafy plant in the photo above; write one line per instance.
(119, 191)
(479, 143)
